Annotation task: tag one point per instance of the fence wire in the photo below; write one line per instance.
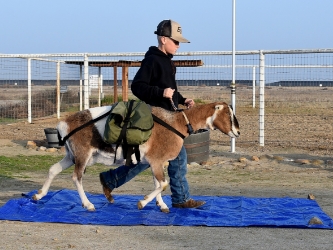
(298, 88)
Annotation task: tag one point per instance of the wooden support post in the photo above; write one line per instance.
(125, 83)
(115, 85)
(58, 90)
(99, 87)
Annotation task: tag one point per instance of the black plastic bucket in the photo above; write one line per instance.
(52, 137)
(197, 146)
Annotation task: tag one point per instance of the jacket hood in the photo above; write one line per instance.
(153, 50)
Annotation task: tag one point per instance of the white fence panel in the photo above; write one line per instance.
(283, 98)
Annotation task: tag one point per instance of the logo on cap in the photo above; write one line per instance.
(179, 29)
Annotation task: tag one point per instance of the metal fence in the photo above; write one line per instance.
(282, 97)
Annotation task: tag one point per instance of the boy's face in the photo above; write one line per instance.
(171, 46)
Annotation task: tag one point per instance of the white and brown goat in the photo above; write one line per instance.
(86, 146)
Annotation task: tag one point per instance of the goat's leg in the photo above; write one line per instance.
(54, 170)
(161, 185)
(159, 200)
(84, 199)
(77, 179)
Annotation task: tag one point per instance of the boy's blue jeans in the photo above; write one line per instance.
(177, 170)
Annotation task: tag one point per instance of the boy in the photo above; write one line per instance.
(155, 84)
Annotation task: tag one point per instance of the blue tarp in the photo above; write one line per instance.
(64, 206)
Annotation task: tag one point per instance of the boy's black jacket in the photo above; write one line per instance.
(157, 72)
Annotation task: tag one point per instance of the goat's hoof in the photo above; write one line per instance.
(165, 210)
(35, 197)
(140, 206)
(90, 207)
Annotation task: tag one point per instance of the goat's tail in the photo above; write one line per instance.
(61, 139)
(63, 135)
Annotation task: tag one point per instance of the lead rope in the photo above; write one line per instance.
(189, 126)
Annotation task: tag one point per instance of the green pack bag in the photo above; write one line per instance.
(129, 123)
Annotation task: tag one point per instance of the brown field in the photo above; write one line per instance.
(295, 117)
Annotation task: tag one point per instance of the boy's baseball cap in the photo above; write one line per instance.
(171, 29)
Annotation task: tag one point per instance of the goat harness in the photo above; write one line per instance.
(134, 150)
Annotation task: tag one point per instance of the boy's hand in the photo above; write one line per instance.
(168, 93)
(189, 103)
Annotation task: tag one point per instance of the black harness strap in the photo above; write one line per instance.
(163, 123)
(188, 124)
(128, 150)
(122, 136)
(63, 140)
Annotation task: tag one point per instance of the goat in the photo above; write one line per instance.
(86, 146)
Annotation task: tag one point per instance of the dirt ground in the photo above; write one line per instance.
(278, 172)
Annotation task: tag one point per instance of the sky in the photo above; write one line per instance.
(107, 26)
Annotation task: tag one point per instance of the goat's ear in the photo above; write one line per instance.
(218, 107)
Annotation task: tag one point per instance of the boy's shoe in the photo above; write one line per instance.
(106, 190)
(189, 204)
